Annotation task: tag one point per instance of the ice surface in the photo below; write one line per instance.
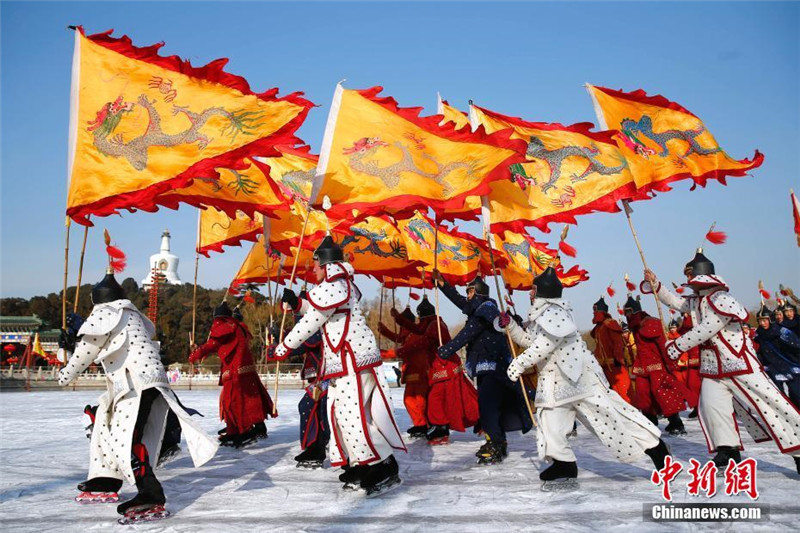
(44, 454)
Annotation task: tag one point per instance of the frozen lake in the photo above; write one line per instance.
(43, 454)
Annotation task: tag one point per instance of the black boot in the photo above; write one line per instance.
(724, 454)
(439, 434)
(150, 494)
(492, 453)
(351, 477)
(658, 454)
(381, 476)
(675, 426)
(415, 432)
(797, 464)
(560, 470)
(693, 413)
(652, 418)
(260, 430)
(100, 484)
(311, 457)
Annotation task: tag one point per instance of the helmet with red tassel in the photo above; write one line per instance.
(108, 289)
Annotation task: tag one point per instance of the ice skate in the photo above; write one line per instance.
(312, 457)
(143, 513)
(168, 454)
(675, 426)
(260, 431)
(693, 414)
(438, 435)
(416, 432)
(561, 476)
(351, 477)
(381, 477)
(658, 454)
(491, 453)
(99, 490)
(724, 454)
(150, 495)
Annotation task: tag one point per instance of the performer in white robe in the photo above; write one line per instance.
(363, 429)
(733, 379)
(572, 384)
(131, 417)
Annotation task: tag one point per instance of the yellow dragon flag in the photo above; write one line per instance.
(662, 141)
(461, 256)
(375, 247)
(450, 114)
(378, 158)
(259, 267)
(293, 170)
(142, 124)
(570, 171)
(246, 189)
(526, 258)
(218, 230)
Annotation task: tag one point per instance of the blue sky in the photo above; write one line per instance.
(736, 65)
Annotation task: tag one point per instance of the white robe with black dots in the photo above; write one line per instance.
(120, 338)
(363, 427)
(572, 384)
(735, 389)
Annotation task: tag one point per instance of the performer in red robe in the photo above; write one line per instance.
(415, 372)
(452, 399)
(610, 349)
(657, 390)
(244, 403)
(688, 364)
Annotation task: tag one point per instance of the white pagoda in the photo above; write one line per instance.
(165, 262)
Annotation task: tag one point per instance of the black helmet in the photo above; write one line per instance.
(634, 305)
(479, 285)
(425, 308)
(790, 305)
(328, 252)
(408, 314)
(547, 284)
(600, 305)
(764, 312)
(222, 310)
(700, 265)
(107, 290)
(237, 314)
(674, 323)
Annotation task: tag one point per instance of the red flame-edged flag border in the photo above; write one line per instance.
(721, 175)
(149, 198)
(403, 206)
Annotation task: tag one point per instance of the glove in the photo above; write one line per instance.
(672, 351)
(74, 322)
(503, 320)
(515, 370)
(280, 352)
(289, 297)
(441, 354)
(394, 312)
(67, 340)
(271, 353)
(437, 277)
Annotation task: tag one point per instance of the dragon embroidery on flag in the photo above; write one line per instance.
(390, 175)
(417, 228)
(135, 150)
(373, 246)
(644, 126)
(555, 159)
(522, 248)
(294, 182)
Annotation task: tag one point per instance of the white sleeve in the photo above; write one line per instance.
(540, 347)
(711, 324)
(519, 334)
(312, 320)
(86, 352)
(666, 296)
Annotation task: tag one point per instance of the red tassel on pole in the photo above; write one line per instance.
(610, 290)
(764, 294)
(716, 237)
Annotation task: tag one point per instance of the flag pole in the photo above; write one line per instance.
(80, 270)
(283, 318)
(436, 285)
(68, 223)
(628, 211)
(488, 237)
(194, 296)
(380, 316)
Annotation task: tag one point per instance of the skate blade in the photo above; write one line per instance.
(309, 465)
(560, 485)
(390, 484)
(148, 514)
(88, 498)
